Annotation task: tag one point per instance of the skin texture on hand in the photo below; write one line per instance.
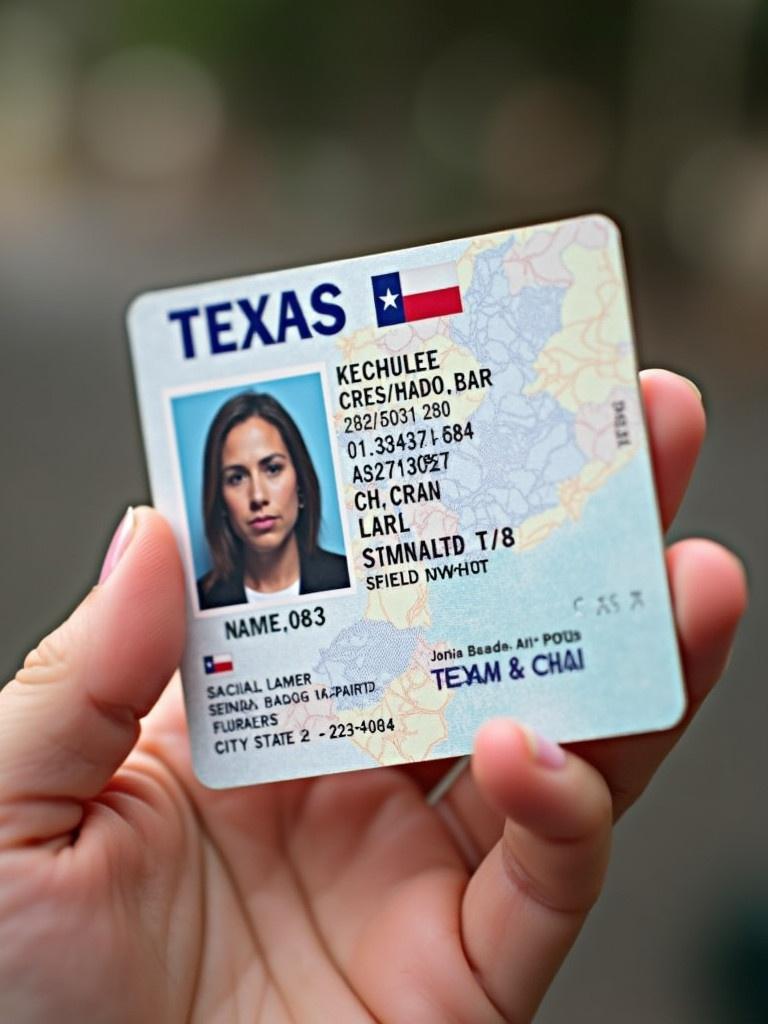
(130, 892)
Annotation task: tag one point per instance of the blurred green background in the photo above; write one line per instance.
(144, 144)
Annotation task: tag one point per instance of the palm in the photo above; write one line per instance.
(305, 898)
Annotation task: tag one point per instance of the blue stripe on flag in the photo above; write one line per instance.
(388, 299)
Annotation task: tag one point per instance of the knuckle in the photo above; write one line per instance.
(600, 814)
(47, 661)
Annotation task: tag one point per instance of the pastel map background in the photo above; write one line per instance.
(545, 310)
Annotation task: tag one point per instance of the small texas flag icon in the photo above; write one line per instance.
(416, 294)
(214, 663)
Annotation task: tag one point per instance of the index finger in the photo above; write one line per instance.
(709, 595)
(676, 425)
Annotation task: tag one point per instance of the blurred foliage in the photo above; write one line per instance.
(306, 64)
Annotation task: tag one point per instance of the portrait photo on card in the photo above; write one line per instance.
(260, 486)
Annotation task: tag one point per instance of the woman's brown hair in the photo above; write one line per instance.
(226, 548)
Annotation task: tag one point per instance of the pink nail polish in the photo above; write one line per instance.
(544, 751)
(120, 541)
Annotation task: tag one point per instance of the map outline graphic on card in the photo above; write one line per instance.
(411, 491)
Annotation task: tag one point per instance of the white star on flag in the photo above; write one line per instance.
(389, 298)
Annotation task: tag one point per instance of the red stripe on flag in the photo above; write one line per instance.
(441, 302)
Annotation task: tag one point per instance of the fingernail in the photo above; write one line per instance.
(694, 387)
(544, 751)
(120, 541)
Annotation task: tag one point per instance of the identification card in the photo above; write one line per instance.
(411, 491)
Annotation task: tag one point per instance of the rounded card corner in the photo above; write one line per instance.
(608, 222)
(136, 308)
(677, 710)
(208, 781)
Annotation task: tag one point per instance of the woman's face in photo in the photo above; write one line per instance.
(259, 485)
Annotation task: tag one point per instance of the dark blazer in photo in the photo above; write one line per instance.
(322, 570)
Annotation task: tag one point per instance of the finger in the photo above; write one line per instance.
(676, 424)
(525, 904)
(71, 715)
(709, 594)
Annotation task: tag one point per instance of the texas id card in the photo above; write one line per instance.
(411, 491)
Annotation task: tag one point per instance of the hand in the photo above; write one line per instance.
(129, 892)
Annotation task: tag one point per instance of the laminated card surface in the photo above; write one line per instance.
(411, 491)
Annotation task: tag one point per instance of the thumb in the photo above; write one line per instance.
(525, 904)
(71, 716)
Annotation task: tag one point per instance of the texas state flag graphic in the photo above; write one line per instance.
(215, 663)
(416, 294)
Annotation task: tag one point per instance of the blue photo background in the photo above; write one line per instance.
(302, 397)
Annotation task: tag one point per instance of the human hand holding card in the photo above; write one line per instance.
(348, 894)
